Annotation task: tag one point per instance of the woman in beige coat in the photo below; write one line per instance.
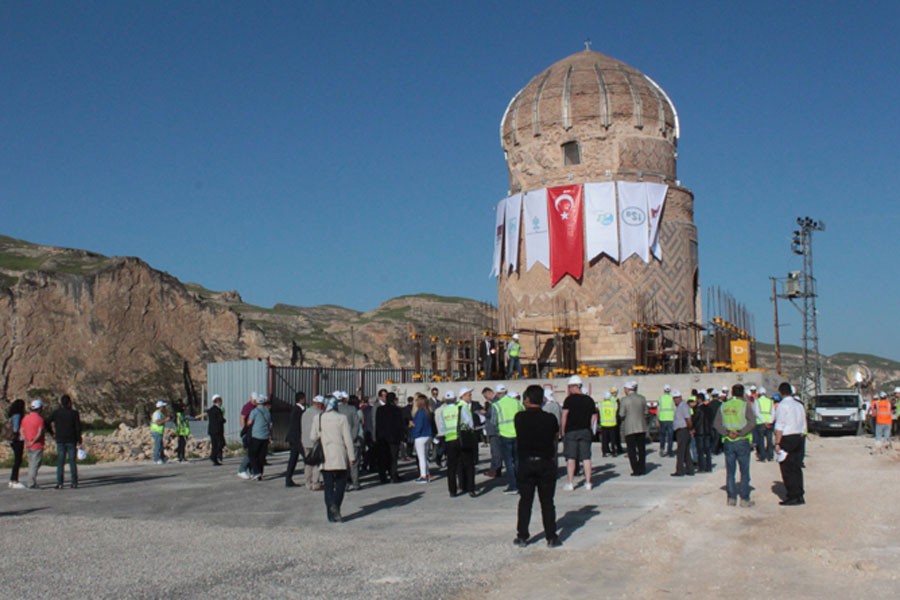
(334, 431)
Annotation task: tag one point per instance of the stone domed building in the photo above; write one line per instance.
(591, 118)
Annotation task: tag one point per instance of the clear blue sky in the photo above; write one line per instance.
(347, 153)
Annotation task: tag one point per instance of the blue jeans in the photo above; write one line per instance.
(737, 454)
(514, 366)
(883, 433)
(63, 451)
(666, 437)
(509, 462)
(157, 446)
(765, 442)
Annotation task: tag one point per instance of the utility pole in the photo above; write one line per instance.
(352, 348)
(777, 334)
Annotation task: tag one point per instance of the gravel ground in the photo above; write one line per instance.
(196, 531)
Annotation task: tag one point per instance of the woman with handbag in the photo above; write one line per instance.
(333, 430)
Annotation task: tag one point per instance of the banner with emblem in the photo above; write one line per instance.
(601, 223)
(534, 224)
(656, 201)
(513, 212)
(498, 238)
(633, 227)
(566, 233)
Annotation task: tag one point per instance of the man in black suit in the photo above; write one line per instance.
(216, 430)
(294, 438)
(389, 431)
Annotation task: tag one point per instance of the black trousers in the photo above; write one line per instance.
(179, 449)
(18, 448)
(637, 452)
(217, 447)
(293, 457)
(257, 453)
(460, 469)
(684, 465)
(791, 467)
(608, 440)
(387, 460)
(540, 475)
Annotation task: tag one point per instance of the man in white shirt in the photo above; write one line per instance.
(790, 427)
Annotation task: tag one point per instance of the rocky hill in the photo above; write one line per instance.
(116, 333)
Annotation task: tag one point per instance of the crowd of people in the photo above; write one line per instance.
(340, 436)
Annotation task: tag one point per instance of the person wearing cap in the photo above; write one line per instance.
(609, 418)
(294, 438)
(490, 429)
(337, 445)
(633, 413)
(504, 414)
(32, 431)
(460, 461)
(881, 409)
(579, 421)
(158, 421)
(682, 424)
(551, 405)
(64, 425)
(244, 468)
(735, 422)
(513, 356)
(664, 417)
(215, 429)
(260, 424)
(538, 435)
(389, 432)
(765, 423)
(352, 414)
(310, 421)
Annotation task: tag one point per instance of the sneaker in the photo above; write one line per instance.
(243, 475)
(16, 485)
(255, 477)
(510, 491)
(588, 486)
(158, 462)
(568, 487)
(422, 480)
(747, 503)
(732, 502)
(554, 542)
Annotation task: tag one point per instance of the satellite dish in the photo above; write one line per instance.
(859, 375)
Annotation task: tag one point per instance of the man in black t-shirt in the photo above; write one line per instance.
(537, 435)
(579, 421)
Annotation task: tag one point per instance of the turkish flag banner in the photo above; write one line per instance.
(566, 232)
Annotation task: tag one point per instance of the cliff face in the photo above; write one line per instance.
(110, 336)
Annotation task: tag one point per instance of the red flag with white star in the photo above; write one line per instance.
(566, 232)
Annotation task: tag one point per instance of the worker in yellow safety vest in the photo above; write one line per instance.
(665, 414)
(182, 432)
(513, 354)
(609, 410)
(735, 422)
(765, 422)
(504, 414)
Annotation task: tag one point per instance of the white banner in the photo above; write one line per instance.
(534, 219)
(656, 200)
(498, 238)
(513, 213)
(600, 220)
(634, 235)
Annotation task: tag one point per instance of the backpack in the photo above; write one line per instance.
(8, 434)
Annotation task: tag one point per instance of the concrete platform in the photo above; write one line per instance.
(194, 530)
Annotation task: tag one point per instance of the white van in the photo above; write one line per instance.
(839, 411)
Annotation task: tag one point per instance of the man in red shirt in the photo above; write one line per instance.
(32, 432)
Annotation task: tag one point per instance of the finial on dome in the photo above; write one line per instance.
(587, 44)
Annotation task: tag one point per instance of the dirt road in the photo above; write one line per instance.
(844, 543)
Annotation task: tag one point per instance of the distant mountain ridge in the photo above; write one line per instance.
(116, 332)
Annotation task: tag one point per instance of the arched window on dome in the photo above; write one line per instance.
(571, 153)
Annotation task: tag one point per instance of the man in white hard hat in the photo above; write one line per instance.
(158, 421)
(513, 354)
(579, 422)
